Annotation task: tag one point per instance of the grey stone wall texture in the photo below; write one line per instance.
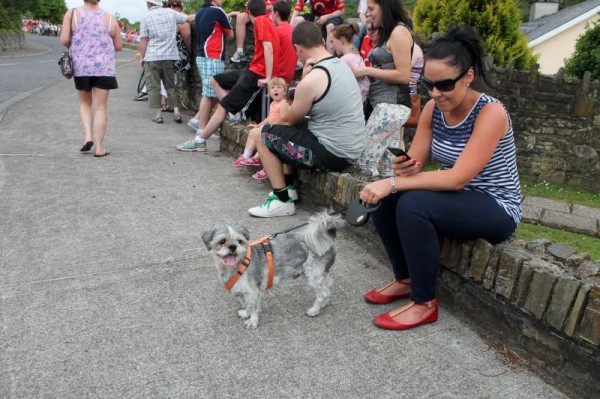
(12, 41)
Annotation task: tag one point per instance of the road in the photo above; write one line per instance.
(25, 72)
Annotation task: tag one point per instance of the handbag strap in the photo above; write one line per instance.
(71, 27)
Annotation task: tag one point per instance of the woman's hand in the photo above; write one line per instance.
(374, 192)
(360, 72)
(405, 167)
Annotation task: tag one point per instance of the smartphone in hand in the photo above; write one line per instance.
(398, 151)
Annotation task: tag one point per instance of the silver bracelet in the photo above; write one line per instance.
(393, 184)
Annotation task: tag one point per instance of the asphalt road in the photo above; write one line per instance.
(24, 72)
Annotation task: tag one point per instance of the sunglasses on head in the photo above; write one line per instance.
(442, 85)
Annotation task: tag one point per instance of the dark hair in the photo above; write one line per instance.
(256, 7)
(307, 34)
(392, 12)
(282, 7)
(460, 48)
(346, 31)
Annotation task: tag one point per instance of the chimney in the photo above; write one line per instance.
(540, 8)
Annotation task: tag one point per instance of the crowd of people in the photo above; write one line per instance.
(348, 109)
(40, 27)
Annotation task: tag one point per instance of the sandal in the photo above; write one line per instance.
(386, 321)
(158, 119)
(87, 146)
(260, 175)
(178, 118)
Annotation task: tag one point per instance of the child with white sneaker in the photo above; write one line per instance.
(278, 93)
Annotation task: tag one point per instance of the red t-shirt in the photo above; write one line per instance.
(264, 31)
(285, 64)
(365, 47)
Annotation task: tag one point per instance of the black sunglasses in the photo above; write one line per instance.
(442, 85)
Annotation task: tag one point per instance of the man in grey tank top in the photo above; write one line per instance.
(323, 129)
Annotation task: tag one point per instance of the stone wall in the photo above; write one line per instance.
(538, 300)
(12, 41)
(557, 125)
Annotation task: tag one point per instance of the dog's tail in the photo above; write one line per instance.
(319, 234)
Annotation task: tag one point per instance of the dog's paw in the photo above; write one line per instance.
(250, 324)
(314, 311)
(243, 313)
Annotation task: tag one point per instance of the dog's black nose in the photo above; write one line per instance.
(232, 248)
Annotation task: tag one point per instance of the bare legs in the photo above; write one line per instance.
(92, 109)
(203, 114)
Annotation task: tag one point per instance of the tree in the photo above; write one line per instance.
(496, 21)
(11, 12)
(228, 5)
(587, 53)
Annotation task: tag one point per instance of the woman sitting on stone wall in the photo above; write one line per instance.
(475, 195)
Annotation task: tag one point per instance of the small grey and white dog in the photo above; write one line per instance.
(308, 251)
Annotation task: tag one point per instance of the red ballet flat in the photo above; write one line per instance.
(386, 321)
(376, 297)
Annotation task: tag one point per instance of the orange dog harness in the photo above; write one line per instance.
(266, 246)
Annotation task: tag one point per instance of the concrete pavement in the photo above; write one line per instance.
(107, 291)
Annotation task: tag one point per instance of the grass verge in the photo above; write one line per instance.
(580, 242)
(560, 192)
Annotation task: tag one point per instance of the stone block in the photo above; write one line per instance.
(531, 213)
(445, 251)
(590, 323)
(586, 211)
(480, 256)
(538, 246)
(540, 289)
(577, 310)
(563, 296)
(454, 257)
(492, 267)
(560, 251)
(522, 287)
(465, 256)
(509, 269)
(547, 203)
(569, 222)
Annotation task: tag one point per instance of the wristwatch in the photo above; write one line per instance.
(393, 184)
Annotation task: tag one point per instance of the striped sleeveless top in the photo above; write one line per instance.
(499, 178)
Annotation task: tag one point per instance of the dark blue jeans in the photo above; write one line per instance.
(409, 224)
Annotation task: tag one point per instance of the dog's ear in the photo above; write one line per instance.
(207, 237)
(244, 231)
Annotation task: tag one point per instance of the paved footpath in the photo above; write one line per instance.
(106, 290)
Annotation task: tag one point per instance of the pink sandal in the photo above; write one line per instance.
(260, 175)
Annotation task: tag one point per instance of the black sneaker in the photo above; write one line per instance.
(141, 97)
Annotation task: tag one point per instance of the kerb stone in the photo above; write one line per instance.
(570, 222)
(590, 323)
(480, 256)
(509, 268)
(539, 293)
(564, 293)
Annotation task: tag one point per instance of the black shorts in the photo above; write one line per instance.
(85, 83)
(242, 87)
(297, 146)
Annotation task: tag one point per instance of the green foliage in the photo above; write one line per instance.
(496, 21)
(228, 5)
(12, 11)
(587, 53)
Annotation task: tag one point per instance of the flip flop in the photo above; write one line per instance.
(102, 155)
(178, 118)
(87, 146)
(158, 119)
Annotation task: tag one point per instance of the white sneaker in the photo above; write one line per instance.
(238, 57)
(273, 207)
(292, 192)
